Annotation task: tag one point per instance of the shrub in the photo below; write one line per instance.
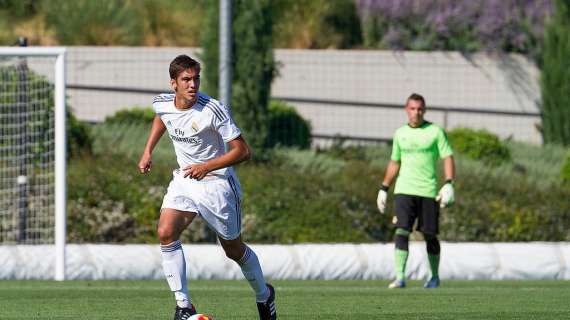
(307, 196)
(284, 205)
(131, 116)
(461, 25)
(101, 22)
(164, 19)
(480, 145)
(316, 24)
(286, 127)
(513, 209)
(79, 136)
(109, 201)
(565, 172)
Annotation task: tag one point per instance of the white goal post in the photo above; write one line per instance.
(57, 175)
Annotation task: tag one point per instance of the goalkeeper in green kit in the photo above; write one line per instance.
(417, 146)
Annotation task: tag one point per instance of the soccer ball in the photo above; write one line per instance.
(200, 316)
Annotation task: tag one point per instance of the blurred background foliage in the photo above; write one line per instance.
(555, 77)
(506, 191)
(462, 25)
(479, 145)
(295, 195)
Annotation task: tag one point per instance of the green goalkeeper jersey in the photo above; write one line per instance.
(417, 150)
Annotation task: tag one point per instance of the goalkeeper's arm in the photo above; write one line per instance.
(391, 173)
(156, 132)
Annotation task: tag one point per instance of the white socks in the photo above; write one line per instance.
(252, 271)
(174, 267)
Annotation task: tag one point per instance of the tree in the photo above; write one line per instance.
(555, 76)
(210, 49)
(253, 64)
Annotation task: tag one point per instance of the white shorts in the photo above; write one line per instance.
(216, 199)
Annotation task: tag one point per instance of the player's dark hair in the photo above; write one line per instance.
(181, 63)
(417, 97)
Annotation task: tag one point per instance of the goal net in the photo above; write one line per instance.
(32, 149)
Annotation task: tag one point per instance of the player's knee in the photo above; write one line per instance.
(166, 234)
(234, 251)
(233, 254)
(401, 239)
(432, 244)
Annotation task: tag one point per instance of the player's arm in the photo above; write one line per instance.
(449, 168)
(238, 152)
(446, 195)
(391, 173)
(156, 133)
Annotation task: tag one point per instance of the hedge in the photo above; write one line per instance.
(296, 196)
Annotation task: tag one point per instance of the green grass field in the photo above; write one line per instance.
(295, 300)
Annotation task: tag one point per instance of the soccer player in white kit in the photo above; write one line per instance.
(205, 183)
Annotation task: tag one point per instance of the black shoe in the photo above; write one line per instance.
(267, 309)
(184, 313)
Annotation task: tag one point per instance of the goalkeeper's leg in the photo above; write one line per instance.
(401, 257)
(433, 249)
(429, 225)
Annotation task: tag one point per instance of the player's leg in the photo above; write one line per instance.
(429, 226)
(171, 224)
(433, 250)
(223, 214)
(246, 258)
(404, 218)
(401, 253)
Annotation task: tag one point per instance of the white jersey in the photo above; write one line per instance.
(198, 133)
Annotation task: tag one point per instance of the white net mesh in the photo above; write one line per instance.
(26, 150)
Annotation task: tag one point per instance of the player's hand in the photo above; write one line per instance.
(196, 171)
(446, 196)
(381, 199)
(145, 163)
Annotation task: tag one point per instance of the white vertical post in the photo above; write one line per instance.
(60, 167)
(225, 59)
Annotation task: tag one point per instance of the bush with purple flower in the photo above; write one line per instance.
(463, 25)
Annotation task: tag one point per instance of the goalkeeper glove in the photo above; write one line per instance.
(381, 200)
(446, 196)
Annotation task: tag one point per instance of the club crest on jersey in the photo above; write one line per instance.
(168, 123)
(195, 126)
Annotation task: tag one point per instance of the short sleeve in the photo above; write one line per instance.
(396, 153)
(223, 122)
(155, 102)
(443, 146)
(159, 102)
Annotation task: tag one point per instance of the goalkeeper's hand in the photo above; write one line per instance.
(381, 199)
(446, 196)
